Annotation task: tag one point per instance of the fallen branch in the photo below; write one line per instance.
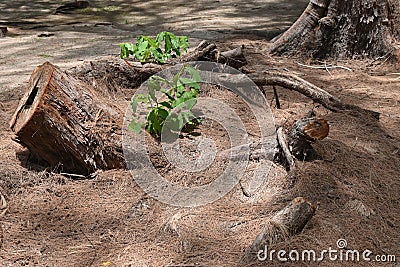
(290, 221)
(234, 58)
(262, 149)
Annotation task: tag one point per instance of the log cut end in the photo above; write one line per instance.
(305, 132)
(27, 105)
(62, 121)
(316, 128)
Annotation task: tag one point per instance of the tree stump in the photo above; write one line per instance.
(64, 122)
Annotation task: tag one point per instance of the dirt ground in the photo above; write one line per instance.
(109, 221)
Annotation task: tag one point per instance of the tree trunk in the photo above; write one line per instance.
(62, 121)
(343, 28)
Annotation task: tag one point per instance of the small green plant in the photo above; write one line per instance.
(178, 97)
(147, 48)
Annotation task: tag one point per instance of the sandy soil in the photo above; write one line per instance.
(110, 221)
(98, 30)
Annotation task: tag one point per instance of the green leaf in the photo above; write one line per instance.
(162, 80)
(183, 82)
(139, 98)
(153, 86)
(134, 104)
(158, 56)
(135, 126)
(173, 124)
(175, 44)
(127, 49)
(181, 121)
(168, 94)
(156, 119)
(194, 73)
(166, 104)
(184, 43)
(143, 45)
(162, 113)
(160, 37)
(168, 45)
(189, 104)
(186, 81)
(178, 75)
(143, 98)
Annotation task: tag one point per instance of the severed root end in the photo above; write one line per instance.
(306, 132)
(288, 222)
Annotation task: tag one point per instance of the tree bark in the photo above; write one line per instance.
(62, 121)
(343, 28)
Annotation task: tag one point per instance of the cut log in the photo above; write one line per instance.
(289, 221)
(305, 132)
(62, 121)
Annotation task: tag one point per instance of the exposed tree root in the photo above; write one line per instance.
(304, 133)
(114, 73)
(301, 28)
(289, 221)
(318, 95)
(282, 141)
